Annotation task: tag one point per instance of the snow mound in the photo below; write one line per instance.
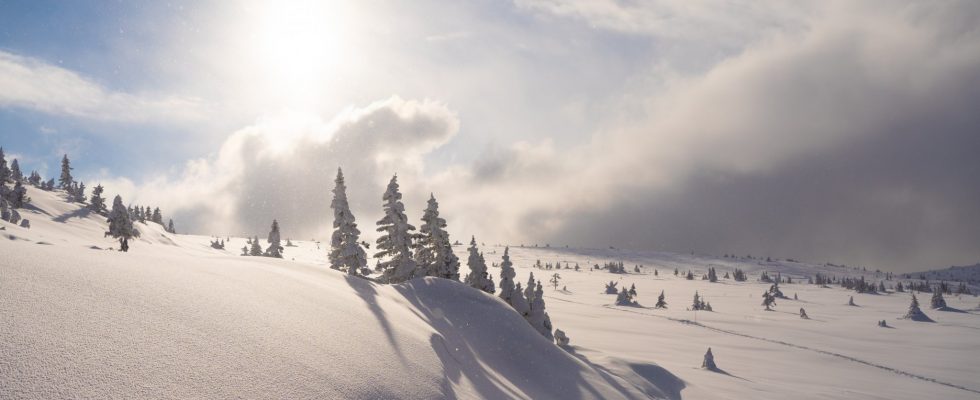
(173, 319)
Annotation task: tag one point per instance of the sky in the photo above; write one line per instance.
(826, 131)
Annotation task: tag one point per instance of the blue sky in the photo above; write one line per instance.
(786, 129)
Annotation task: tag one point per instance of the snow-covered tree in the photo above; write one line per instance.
(65, 180)
(561, 338)
(256, 249)
(396, 238)
(803, 314)
(34, 179)
(611, 288)
(17, 195)
(4, 170)
(15, 172)
(507, 274)
(478, 276)
(768, 300)
(698, 304)
(434, 252)
(275, 245)
(157, 216)
(538, 317)
(519, 301)
(938, 302)
(97, 202)
(712, 275)
(850, 301)
(120, 224)
(557, 278)
(709, 361)
(170, 227)
(346, 253)
(660, 301)
(624, 298)
(914, 313)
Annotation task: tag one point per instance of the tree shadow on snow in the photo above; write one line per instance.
(723, 372)
(79, 213)
(951, 309)
(366, 291)
(657, 381)
(494, 365)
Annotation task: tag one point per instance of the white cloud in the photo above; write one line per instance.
(33, 84)
(283, 167)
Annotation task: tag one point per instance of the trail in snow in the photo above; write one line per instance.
(825, 352)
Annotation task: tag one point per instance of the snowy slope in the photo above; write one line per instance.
(175, 319)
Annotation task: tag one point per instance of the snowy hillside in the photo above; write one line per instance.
(175, 318)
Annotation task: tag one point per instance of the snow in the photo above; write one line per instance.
(174, 318)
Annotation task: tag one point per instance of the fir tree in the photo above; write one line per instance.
(395, 241)
(15, 173)
(478, 276)
(156, 216)
(4, 171)
(120, 224)
(346, 253)
(97, 202)
(170, 226)
(256, 249)
(938, 302)
(660, 301)
(66, 180)
(507, 274)
(709, 361)
(275, 247)
(538, 317)
(434, 253)
(914, 313)
(18, 195)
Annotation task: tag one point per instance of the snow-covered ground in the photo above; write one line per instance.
(175, 318)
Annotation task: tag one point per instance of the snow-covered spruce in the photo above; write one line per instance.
(478, 277)
(507, 274)
(611, 288)
(938, 302)
(538, 317)
(120, 223)
(66, 180)
(661, 303)
(561, 338)
(709, 361)
(170, 227)
(346, 253)
(625, 298)
(97, 203)
(256, 249)
(275, 244)
(850, 301)
(434, 252)
(803, 314)
(396, 238)
(914, 313)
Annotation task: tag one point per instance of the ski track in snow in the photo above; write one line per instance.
(825, 352)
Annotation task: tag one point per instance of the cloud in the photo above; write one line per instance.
(843, 142)
(33, 84)
(283, 167)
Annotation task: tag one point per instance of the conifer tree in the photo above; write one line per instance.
(938, 302)
(170, 226)
(4, 170)
(914, 313)
(434, 252)
(15, 172)
(256, 249)
(97, 202)
(660, 301)
(275, 247)
(396, 239)
(709, 361)
(66, 180)
(538, 317)
(478, 276)
(156, 216)
(120, 224)
(507, 274)
(346, 253)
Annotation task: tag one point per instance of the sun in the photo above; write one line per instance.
(297, 46)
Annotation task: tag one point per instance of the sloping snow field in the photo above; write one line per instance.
(174, 318)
